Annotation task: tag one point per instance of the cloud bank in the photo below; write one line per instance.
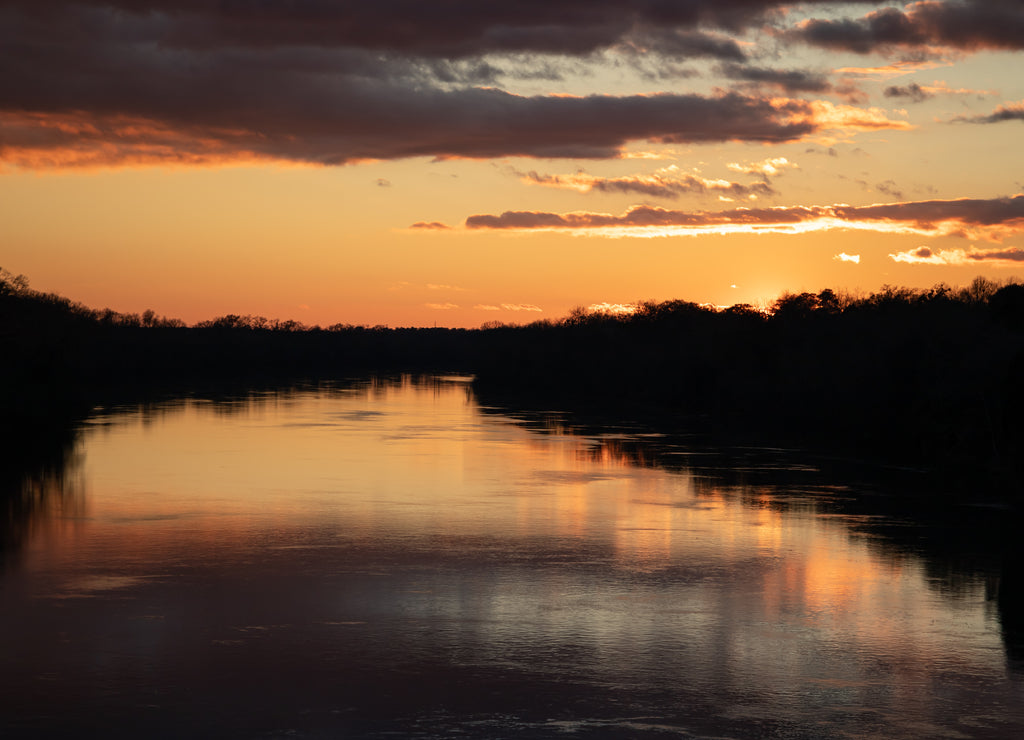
(1008, 112)
(458, 29)
(1008, 257)
(666, 183)
(136, 82)
(991, 219)
(930, 26)
(346, 121)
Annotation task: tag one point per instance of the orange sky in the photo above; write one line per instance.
(388, 164)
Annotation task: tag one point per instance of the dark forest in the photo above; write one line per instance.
(917, 378)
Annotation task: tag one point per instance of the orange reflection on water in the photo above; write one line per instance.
(404, 503)
(400, 462)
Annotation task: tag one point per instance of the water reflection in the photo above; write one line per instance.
(40, 486)
(388, 557)
(967, 548)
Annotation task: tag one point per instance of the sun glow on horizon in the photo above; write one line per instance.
(328, 172)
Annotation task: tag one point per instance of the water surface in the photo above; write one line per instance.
(389, 558)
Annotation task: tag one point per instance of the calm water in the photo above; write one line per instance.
(391, 559)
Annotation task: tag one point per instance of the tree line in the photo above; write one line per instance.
(929, 377)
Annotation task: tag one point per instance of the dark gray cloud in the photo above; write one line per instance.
(968, 25)
(94, 82)
(640, 216)
(890, 188)
(1008, 112)
(113, 81)
(458, 28)
(1009, 254)
(969, 211)
(790, 80)
(913, 92)
(676, 43)
(659, 185)
(331, 121)
(430, 226)
(1005, 256)
(994, 216)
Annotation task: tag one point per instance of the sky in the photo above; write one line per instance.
(451, 163)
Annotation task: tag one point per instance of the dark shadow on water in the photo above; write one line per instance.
(900, 512)
(38, 482)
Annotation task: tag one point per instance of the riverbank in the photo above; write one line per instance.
(917, 378)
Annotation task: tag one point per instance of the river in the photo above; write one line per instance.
(391, 558)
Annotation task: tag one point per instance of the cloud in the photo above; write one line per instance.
(466, 28)
(919, 93)
(92, 83)
(1008, 112)
(890, 188)
(990, 219)
(929, 26)
(614, 309)
(430, 226)
(913, 91)
(353, 121)
(677, 43)
(655, 155)
(844, 257)
(516, 307)
(665, 183)
(766, 168)
(828, 116)
(789, 80)
(893, 69)
(441, 306)
(939, 87)
(1006, 257)
(383, 182)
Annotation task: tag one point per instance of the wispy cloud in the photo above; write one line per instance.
(844, 257)
(1008, 257)
(789, 80)
(827, 116)
(441, 306)
(890, 188)
(893, 69)
(430, 226)
(990, 219)
(765, 168)
(1007, 112)
(917, 93)
(615, 309)
(669, 182)
(515, 307)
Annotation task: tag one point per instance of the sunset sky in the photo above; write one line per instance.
(407, 163)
